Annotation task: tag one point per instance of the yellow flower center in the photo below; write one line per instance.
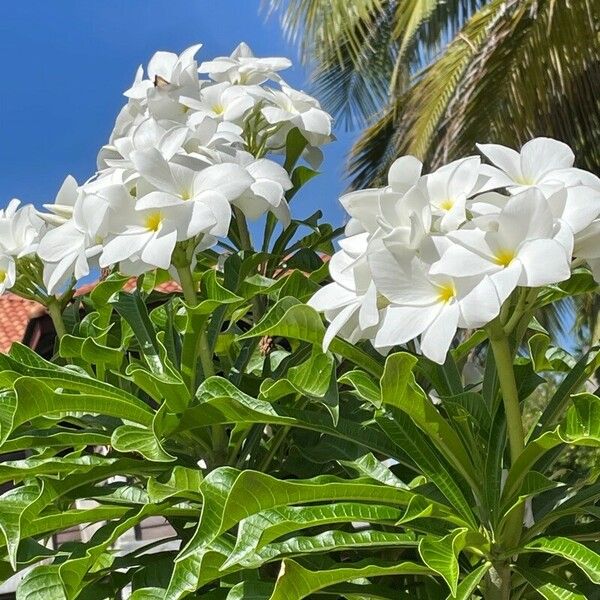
(447, 204)
(153, 221)
(504, 257)
(446, 292)
(186, 195)
(524, 180)
(218, 109)
(3, 275)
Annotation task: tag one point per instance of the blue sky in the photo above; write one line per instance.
(67, 63)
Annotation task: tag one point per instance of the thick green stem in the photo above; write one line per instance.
(204, 353)
(55, 312)
(503, 358)
(246, 244)
(243, 231)
(499, 587)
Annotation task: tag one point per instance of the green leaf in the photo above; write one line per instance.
(331, 541)
(183, 482)
(132, 308)
(401, 430)
(440, 554)
(363, 385)
(131, 438)
(260, 529)
(292, 319)
(399, 388)
(469, 584)
(42, 583)
(35, 398)
(227, 501)
(549, 585)
(297, 582)
(582, 556)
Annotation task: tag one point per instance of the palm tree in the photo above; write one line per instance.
(432, 77)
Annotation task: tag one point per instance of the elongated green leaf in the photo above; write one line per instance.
(400, 429)
(35, 398)
(550, 586)
(469, 584)
(131, 438)
(260, 529)
(296, 582)
(331, 541)
(290, 318)
(399, 388)
(230, 496)
(441, 555)
(132, 308)
(582, 556)
(42, 583)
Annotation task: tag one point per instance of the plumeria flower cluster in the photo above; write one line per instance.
(431, 253)
(195, 144)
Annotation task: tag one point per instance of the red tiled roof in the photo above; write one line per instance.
(17, 312)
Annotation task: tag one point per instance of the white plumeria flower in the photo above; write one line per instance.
(175, 183)
(350, 303)
(150, 234)
(427, 305)
(165, 69)
(448, 189)
(367, 207)
(71, 250)
(297, 109)
(544, 163)
(8, 272)
(20, 229)
(167, 138)
(242, 67)
(222, 102)
(62, 208)
(267, 192)
(517, 248)
(587, 246)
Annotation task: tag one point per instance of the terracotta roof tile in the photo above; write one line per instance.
(16, 312)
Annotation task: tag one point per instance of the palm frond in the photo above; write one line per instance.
(418, 113)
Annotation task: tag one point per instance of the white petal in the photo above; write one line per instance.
(436, 340)
(401, 324)
(159, 249)
(544, 262)
(404, 173)
(458, 261)
(507, 159)
(542, 155)
(526, 216)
